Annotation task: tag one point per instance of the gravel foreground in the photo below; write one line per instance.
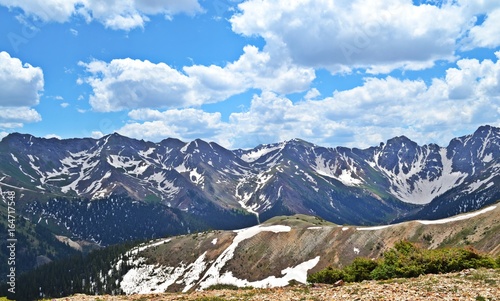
(466, 285)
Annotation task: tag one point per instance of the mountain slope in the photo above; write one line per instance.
(287, 248)
(272, 254)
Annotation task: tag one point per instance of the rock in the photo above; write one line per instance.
(339, 283)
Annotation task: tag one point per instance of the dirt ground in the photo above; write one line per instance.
(466, 285)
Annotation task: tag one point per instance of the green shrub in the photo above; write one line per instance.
(328, 276)
(222, 286)
(210, 299)
(455, 259)
(359, 270)
(405, 260)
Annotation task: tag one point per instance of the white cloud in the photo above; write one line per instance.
(127, 83)
(10, 125)
(254, 69)
(3, 134)
(131, 84)
(19, 114)
(376, 35)
(311, 94)
(488, 33)
(97, 134)
(52, 10)
(382, 108)
(50, 136)
(21, 85)
(187, 124)
(124, 15)
(379, 109)
(64, 104)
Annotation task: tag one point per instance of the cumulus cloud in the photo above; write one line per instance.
(254, 69)
(486, 34)
(128, 83)
(376, 35)
(132, 84)
(21, 85)
(379, 109)
(186, 124)
(124, 15)
(16, 117)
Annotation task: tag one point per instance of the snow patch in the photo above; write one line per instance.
(488, 158)
(257, 154)
(373, 228)
(435, 222)
(328, 169)
(147, 279)
(196, 177)
(297, 273)
(479, 183)
(412, 187)
(314, 228)
(458, 217)
(14, 158)
(146, 153)
(213, 274)
(141, 248)
(194, 272)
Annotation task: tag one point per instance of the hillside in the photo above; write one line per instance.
(288, 248)
(280, 251)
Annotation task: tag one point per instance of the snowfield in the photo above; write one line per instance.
(143, 278)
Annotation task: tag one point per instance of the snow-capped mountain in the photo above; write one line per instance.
(393, 181)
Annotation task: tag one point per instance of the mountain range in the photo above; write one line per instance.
(97, 192)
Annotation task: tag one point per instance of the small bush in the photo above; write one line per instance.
(222, 286)
(359, 270)
(403, 261)
(210, 299)
(328, 276)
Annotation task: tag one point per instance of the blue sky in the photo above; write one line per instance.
(242, 73)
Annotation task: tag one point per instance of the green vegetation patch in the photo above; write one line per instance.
(405, 260)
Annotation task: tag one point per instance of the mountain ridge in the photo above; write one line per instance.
(397, 171)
